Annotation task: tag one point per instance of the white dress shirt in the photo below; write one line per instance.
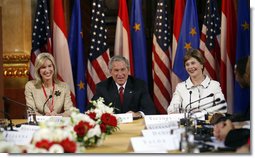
(186, 92)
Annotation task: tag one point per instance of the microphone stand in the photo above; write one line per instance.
(187, 138)
(6, 115)
(185, 121)
(202, 106)
(30, 111)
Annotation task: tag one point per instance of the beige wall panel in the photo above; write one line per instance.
(16, 22)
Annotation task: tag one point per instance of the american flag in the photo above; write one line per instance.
(228, 49)
(210, 39)
(41, 37)
(161, 59)
(99, 57)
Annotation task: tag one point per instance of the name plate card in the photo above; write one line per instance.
(29, 128)
(162, 132)
(198, 115)
(124, 118)
(162, 118)
(18, 137)
(172, 124)
(49, 118)
(155, 144)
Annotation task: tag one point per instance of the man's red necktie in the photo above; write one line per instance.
(121, 93)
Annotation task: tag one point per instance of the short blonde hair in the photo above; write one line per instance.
(40, 60)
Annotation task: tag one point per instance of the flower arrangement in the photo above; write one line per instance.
(104, 116)
(86, 131)
(92, 126)
(53, 138)
(75, 134)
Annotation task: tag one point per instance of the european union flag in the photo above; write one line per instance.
(242, 95)
(138, 41)
(189, 38)
(75, 41)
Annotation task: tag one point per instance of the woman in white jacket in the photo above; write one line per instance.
(198, 92)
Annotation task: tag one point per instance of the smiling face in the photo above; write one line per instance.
(47, 70)
(193, 67)
(119, 72)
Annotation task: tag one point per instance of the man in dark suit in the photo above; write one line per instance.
(224, 128)
(126, 93)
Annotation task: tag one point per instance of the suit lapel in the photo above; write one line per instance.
(114, 96)
(128, 94)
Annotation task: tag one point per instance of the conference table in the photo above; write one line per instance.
(117, 142)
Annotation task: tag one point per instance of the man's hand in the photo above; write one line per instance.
(135, 114)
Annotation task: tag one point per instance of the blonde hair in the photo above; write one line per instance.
(40, 60)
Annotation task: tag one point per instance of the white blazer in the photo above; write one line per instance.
(181, 97)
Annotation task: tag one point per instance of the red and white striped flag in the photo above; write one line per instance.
(60, 47)
(178, 16)
(122, 37)
(99, 56)
(161, 63)
(210, 39)
(228, 44)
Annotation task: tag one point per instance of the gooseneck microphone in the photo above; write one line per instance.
(16, 102)
(34, 122)
(50, 96)
(190, 92)
(202, 106)
(185, 121)
(210, 95)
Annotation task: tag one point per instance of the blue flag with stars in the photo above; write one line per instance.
(138, 41)
(189, 38)
(75, 41)
(242, 95)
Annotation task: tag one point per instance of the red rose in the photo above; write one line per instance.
(68, 145)
(44, 144)
(109, 119)
(82, 128)
(92, 115)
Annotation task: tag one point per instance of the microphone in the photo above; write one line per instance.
(201, 106)
(6, 115)
(214, 105)
(190, 92)
(34, 122)
(210, 95)
(185, 120)
(50, 96)
(14, 101)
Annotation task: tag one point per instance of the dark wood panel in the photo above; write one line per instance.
(14, 110)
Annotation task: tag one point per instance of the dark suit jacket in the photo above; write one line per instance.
(237, 137)
(136, 96)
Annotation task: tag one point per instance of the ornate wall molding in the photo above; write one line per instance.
(15, 65)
